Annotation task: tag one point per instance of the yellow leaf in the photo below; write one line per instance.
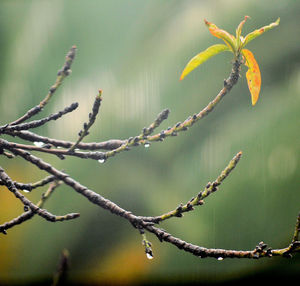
(203, 57)
(251, 36)
(252, 75)
(229, 39)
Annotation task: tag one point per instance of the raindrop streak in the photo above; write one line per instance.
(149, 256)
(101, 161)
(38, 144)
(220, 258)
(26, 191)
(147, 145)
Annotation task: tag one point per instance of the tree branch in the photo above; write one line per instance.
(61, 75)
(29, 213)
(198, 199)
(113, 147)
(7, 181)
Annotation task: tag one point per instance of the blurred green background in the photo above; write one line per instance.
(135, 51)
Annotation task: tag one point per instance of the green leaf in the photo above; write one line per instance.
(253, 75)
(203, 57)
(239, 30)
(229, 39)
(251, 36)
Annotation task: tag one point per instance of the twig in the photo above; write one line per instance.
(29, 213)
(92, 118)
(182, 126)
(297, 230)
(31, 186)
(27, 203)
(7, 154)
(30, 136)
(40, 122)
(159, 119)
(62, 73)
(17, 128)
(89, 194)
(96, 155)
(260, 250)
(198, 200)
(61, 275)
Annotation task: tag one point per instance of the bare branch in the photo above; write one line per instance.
(113, 147)
(29, 213)
(7, 181)
(30, 136)
(63, 267)
(92, 118)
(181, 126)
(30, 187)
(198, 199)
(40, 122)
(62, 73)
(260, 250)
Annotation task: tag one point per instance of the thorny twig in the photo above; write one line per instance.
(109, 149)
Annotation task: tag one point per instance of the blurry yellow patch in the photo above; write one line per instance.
(126, 264)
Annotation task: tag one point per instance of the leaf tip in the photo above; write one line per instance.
(254, 100)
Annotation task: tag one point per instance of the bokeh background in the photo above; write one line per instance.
(135, 51)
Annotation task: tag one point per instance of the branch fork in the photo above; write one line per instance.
(103, 151)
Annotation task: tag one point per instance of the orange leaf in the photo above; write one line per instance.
(229, 39)
(252, 75)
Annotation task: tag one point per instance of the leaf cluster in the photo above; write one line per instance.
(234, 44)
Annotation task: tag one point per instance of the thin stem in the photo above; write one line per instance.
(61, 75)
(29, 214)
(203, 252)
(92, 118)
(297, 230)
(182, 126)
(96, 155)
(159, 119)
(30, 187)
(63, 267)
(40, 122)
(41, 212)
(198, 200)
(30, 136)
(89, 194)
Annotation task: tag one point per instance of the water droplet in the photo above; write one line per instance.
(26, 191)
(101, 161)
(38, 144)
(149, 256)
(220, 258)
(147, 145)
